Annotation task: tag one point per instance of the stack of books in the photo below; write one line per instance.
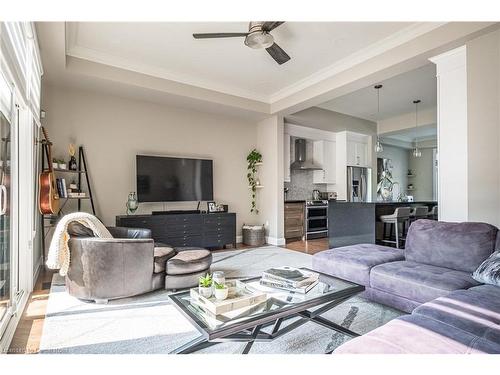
(68, 192)
(62, 191)
(289, 278)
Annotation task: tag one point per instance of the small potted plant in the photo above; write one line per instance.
(55, 163)
(221, 291)
(62, 164)
(205, 286)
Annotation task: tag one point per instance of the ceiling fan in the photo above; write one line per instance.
(258, 36)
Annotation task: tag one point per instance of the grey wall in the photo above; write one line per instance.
(422, 168)
(483, 131)
(399, 157)
(114, 129)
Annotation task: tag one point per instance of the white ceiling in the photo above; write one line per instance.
(169, 51)
(426, 132)
(396, 96)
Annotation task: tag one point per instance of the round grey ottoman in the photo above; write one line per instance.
(184, 269)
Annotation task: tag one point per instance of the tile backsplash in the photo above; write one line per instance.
(301, 185)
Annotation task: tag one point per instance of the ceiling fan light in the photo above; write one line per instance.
(259, 39)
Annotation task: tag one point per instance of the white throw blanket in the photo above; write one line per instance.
(59, 254)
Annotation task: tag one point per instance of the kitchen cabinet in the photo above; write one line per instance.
(294, 220)
(357, 153)
(324, 155)
(286, 157)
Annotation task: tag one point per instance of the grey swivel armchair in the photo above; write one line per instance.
(126, 265)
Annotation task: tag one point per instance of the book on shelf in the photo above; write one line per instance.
(61, 188)
(65, 192)
(290, 276)
(76, 195)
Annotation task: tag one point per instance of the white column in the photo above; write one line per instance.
(451, 71)
(469, 131)
(271, 197)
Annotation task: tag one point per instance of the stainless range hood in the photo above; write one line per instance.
(301, 162)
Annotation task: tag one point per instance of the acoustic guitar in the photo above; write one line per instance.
(48, 197)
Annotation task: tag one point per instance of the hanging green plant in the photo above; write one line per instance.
(253, 159)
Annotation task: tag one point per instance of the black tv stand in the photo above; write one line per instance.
(187, 228)
(176, 212)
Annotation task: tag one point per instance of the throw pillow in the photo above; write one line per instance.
(489, 271)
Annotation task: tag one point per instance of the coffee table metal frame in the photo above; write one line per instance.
(250, 330)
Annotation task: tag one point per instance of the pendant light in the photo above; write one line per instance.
(416, 151)
(378, 146)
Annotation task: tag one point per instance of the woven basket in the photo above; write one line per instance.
(254, 235)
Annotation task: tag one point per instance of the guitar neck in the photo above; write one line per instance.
(48, 144)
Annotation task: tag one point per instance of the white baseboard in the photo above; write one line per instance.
(36, 273)
(275, 241)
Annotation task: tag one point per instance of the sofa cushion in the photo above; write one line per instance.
(126, 232)
(415, 334)
(161, 255)
(459, 246)
(354, 262)
(161, 250)
(488, 272)
(418, 282)
(473, 310)
(189, 261)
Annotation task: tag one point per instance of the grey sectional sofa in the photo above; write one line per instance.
(431, 279)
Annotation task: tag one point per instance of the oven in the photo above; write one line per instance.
(316, 219)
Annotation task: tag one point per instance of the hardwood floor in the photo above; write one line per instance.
(28, 333)
(308, 247)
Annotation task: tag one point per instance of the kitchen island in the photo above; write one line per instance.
(351, 223)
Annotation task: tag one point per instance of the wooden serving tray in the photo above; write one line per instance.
(239, 296)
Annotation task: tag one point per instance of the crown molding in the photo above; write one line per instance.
(84, 53)
(383, 45)
(377, 48)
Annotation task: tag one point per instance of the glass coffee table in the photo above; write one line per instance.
(247, 325)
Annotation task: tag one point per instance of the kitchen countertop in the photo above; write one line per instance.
(388, 203)
(295, 201)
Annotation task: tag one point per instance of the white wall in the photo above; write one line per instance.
(270, 197)
(113, 130)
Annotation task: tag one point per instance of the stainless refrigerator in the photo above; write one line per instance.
(358, 184)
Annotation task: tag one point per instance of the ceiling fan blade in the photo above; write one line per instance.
(218, 35)
(278, 54)
(271, 25)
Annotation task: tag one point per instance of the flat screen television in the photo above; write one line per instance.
(168, 179)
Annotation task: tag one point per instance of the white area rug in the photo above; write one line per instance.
(150, 324)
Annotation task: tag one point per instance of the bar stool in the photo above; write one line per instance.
(401, 216)
(433, 213)
(419, 212)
